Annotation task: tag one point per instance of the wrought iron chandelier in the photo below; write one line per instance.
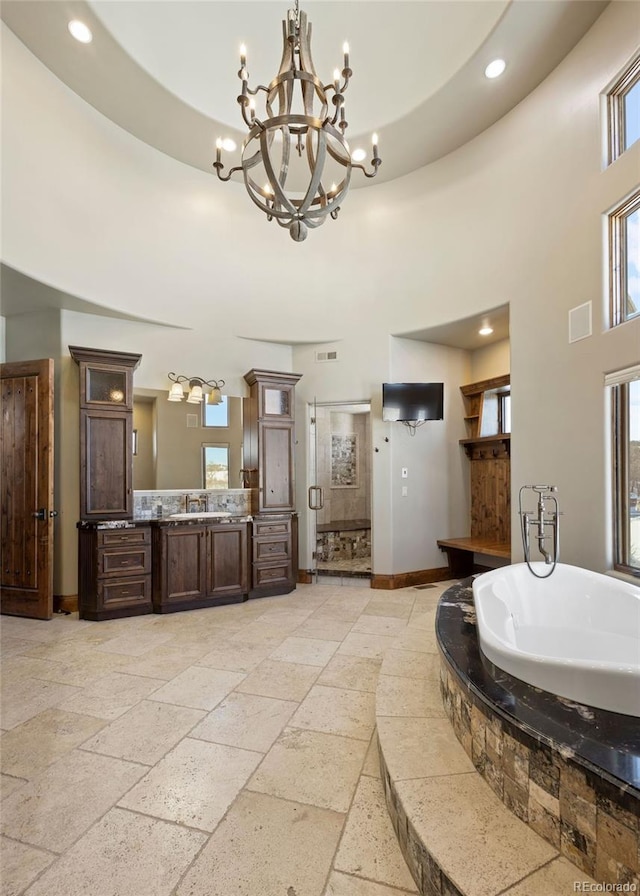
(298, 121)
(197, 389)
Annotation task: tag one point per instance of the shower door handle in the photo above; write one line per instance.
(318, 502)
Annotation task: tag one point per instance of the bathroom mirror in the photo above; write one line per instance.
(174, 449)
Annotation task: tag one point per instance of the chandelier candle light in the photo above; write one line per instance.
(293, 190)
(197, 389)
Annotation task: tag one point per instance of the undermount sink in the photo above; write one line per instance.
(207, 515)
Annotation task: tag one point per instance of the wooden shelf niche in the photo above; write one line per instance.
(489, 450)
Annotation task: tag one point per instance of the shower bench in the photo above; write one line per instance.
(460, 553)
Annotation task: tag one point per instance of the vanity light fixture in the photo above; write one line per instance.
(198, 389)
(314, 132)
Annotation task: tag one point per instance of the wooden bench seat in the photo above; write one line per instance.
(460, 553)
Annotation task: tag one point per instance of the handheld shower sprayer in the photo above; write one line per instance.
(544, 518)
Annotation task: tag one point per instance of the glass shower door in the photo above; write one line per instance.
(315, 496)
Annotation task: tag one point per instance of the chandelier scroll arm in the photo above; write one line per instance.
(220, 165)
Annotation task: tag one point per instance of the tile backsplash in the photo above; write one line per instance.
(163, 502)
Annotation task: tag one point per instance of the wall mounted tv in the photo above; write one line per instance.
(411, 402)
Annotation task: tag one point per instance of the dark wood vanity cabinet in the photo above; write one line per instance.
(199, 565)
(269, 459)
(106, 432)
(114, 577)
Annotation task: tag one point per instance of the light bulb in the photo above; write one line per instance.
(80, 31)
(485, 331)
(495, 68)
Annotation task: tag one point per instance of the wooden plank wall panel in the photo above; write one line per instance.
(491, 498)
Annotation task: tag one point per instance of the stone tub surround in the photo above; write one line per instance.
(163, 502)
(571, 772)
(456, 835)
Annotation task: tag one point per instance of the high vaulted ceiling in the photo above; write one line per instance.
(167, 71)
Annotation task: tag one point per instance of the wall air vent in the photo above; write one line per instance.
(326, 356)
(580, 326)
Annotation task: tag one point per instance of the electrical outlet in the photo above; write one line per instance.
(405, 491)
(405, 472)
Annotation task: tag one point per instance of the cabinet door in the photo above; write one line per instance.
(183, 564)
(105, 465)
(228, 560)
(276, 467)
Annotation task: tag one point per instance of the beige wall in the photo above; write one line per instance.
(490, 361)
(514, 216)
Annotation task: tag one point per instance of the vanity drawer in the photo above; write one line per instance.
(273, 574)
(271, 549)
(118, 537)
(125, 560)
(272, 527)
(124, 592)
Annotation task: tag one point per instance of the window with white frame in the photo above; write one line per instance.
(623, 111)
(624, 260)
(625, 387)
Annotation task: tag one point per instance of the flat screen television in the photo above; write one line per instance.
(405, 402)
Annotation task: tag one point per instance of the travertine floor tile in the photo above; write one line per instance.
(26, 697)
(198, 687)
(194, 784)
(285, 681)
(396, 696)
(416, 639)
(145, 733)
(124, 854)
(337, 711)
(353, 672)
(247, 721)
(411, 664)
(347, 885)
(110, 696)
(371, 765)
(37, 743)
(307, 651)
(54, 809)
(234, 657)
(11, 645)
(266, 846)
(8, 784)
(421, 748)
(369, 847)
(327, 630)
(164, 662)
(135, 643)
(559, 876)
(379, 625)
(20, 865)
(382, 607)
(498, 849)
(362, 644)
(311, 767)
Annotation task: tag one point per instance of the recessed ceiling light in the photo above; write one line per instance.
(228, 144)
(495, 68)
(80, 31)
(358, 155)
(485, 331)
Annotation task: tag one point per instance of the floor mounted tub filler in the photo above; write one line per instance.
(575, 633)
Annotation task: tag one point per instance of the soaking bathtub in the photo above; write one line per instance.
(575, 634)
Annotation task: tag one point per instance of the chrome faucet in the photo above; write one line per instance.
(542, 519)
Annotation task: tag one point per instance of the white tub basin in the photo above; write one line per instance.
(576, 634)
(205, 515)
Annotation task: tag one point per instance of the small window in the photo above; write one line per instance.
(624, 260)
(215, 414)
(626, 474)
(504, 411)
(623, 107)
(215, 461)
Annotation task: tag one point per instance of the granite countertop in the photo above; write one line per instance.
(608, 743)
(163, 521)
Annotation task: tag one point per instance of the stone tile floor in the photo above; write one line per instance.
(207, 753)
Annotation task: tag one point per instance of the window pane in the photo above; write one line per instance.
(634, 474)
(216, 414)
(633, 265)
(631, 116)
(216, 466)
